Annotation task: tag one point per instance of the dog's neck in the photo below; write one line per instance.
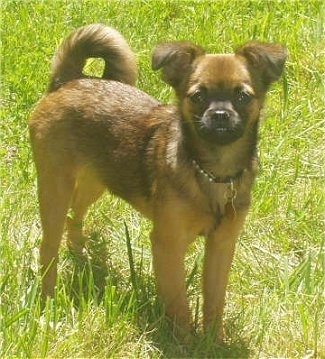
(217, 179)
(219, 163)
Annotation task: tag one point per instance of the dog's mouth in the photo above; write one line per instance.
(222, 132)
(223, 129)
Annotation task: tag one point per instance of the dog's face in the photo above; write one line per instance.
(220, 95)
(219, 98)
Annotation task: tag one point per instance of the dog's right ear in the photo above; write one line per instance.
(175, 59)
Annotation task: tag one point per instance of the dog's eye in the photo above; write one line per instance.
(242, 96)
(198, 96)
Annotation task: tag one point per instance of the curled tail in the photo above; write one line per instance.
(93, 40)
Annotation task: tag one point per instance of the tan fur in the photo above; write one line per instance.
(90, 134)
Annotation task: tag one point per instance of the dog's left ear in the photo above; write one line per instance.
(266, 58)
(175, 59)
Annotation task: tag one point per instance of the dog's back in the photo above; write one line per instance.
(93, 41)
(81, 120)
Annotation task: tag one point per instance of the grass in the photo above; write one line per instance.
(102, 308)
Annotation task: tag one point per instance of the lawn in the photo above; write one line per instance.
(105, 305)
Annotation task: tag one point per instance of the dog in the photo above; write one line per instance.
(189, 167)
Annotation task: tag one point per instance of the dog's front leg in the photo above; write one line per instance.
(168, 249)
(219, 251)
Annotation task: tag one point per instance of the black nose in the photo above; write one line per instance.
(220, 115)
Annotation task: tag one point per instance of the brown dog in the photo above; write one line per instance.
(189, 168)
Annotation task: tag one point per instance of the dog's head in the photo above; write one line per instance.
(219, 95)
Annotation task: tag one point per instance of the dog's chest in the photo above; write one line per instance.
(220, 199)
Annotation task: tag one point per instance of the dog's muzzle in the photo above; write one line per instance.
(220, 120)
(219, 125)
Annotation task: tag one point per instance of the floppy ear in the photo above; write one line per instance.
(175, 59)
(266, 58)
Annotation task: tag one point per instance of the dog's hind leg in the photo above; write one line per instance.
(88, 189)
(55, 189)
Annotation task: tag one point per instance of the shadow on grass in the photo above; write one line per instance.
(87, 273)
(88, 277)
(197, 346)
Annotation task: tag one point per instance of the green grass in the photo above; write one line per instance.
(275, 301)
